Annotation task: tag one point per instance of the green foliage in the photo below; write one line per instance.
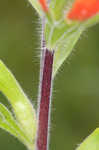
(91, 142)
(57, 7)
(62, 36)
(37, 6)
(65, 48)
(8, 123)
(25, 124)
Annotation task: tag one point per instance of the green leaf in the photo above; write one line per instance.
(62, 36)
(36, 5)
(64, 49)
(91, 142)
(59, 7)
(22, 107)
(8, 122)
(92, 21)
(4, 125)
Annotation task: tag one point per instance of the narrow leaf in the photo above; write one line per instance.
(58, 7)
(91, 142)
(5, 126)
(65, 48)
(62, 37)
(23, 109)
(10, 124)
(36, 5)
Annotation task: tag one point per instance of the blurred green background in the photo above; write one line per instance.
(75, 108)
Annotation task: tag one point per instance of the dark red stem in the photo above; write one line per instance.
(44, 100)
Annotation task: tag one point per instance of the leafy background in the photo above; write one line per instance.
(75, 108)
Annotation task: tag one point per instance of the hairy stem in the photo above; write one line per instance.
(44, 100)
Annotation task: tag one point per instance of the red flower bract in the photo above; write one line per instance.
(83, 9)
(44, 5)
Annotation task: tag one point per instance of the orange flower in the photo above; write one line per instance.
(44, 5)
(83, 9)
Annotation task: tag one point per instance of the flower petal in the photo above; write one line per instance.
(83, 9)
(44, 5)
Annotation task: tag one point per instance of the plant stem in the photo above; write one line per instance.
(44, 100)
